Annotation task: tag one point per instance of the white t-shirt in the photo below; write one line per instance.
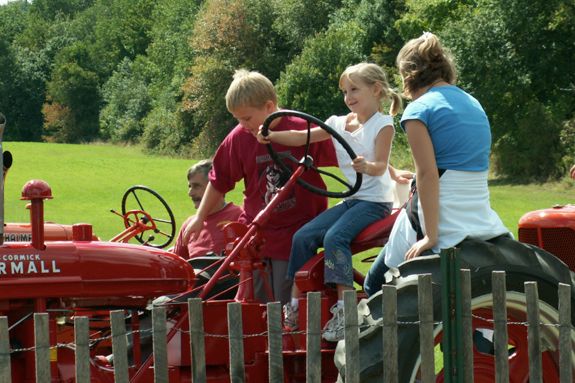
(362, 141)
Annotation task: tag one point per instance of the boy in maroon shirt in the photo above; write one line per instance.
(251, 98)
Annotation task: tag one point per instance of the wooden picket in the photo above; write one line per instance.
(42, 342)
(5, 369)
(389, 323)
(313, 338)
(82, 355)
(565, 328)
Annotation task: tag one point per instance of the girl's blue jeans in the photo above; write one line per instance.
(335, 229)
(376, 275)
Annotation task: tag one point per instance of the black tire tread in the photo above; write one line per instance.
(521, 262)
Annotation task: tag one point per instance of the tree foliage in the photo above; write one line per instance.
(21, 77)
(310, 82)
(298, 20)
(73, 92)
(156, 72)
(512, 57)
(228, 34)
(127, 101)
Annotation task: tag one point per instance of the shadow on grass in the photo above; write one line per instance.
(509, 181)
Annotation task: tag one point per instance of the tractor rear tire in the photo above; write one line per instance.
(521, 262)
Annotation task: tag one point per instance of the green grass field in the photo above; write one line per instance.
(89, 180)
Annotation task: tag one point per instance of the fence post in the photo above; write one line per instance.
(533, 337)
(452, 316)
(236, 341)
(82, 352)
(446, 314)
(466, 374)
(313, 337)
(351, 336)
(275, 345)
(119, 346)
(451, 313)
(565, 328)
(501, 339)
(42, 347)
(389, 317)
(5, 370)
(160, 344)
(197, 345)
(425, 306)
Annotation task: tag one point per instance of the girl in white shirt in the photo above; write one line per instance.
(370, 134)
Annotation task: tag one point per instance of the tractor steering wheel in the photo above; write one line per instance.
(307, 160)
(157, 210)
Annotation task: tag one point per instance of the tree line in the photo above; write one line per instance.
(155, 72)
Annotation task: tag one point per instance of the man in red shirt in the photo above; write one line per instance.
(210, 239)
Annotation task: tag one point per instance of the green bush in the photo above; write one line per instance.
(310, 82)
(76, 89)
(531, 149)
(127, 102)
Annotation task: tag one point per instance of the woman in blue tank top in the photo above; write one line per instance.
(450, 139)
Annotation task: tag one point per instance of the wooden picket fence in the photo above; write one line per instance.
(313, 338)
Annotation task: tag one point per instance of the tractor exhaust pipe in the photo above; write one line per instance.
(2, 125)
(7, 158)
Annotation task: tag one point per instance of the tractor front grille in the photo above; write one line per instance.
(558, 241)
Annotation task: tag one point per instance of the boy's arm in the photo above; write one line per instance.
(293, 137)
(209, 201)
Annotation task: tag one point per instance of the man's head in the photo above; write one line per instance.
(198, 181)
(251, 97)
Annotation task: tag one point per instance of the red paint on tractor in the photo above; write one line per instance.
(551, 229)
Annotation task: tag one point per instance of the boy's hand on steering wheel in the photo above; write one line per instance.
(419, 247)
(263, 139)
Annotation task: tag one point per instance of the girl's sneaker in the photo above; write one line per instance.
(333, 330)
(290, 317)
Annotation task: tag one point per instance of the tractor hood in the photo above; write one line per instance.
(86, 269)
(22, 232)
(555, 217)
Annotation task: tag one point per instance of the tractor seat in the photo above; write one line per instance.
(375, 235)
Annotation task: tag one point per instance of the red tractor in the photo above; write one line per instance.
(82, 276)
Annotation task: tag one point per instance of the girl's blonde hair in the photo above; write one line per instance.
(370, 74)
(251, 89)
(423, 61)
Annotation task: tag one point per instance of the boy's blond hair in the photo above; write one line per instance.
(251, 89)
